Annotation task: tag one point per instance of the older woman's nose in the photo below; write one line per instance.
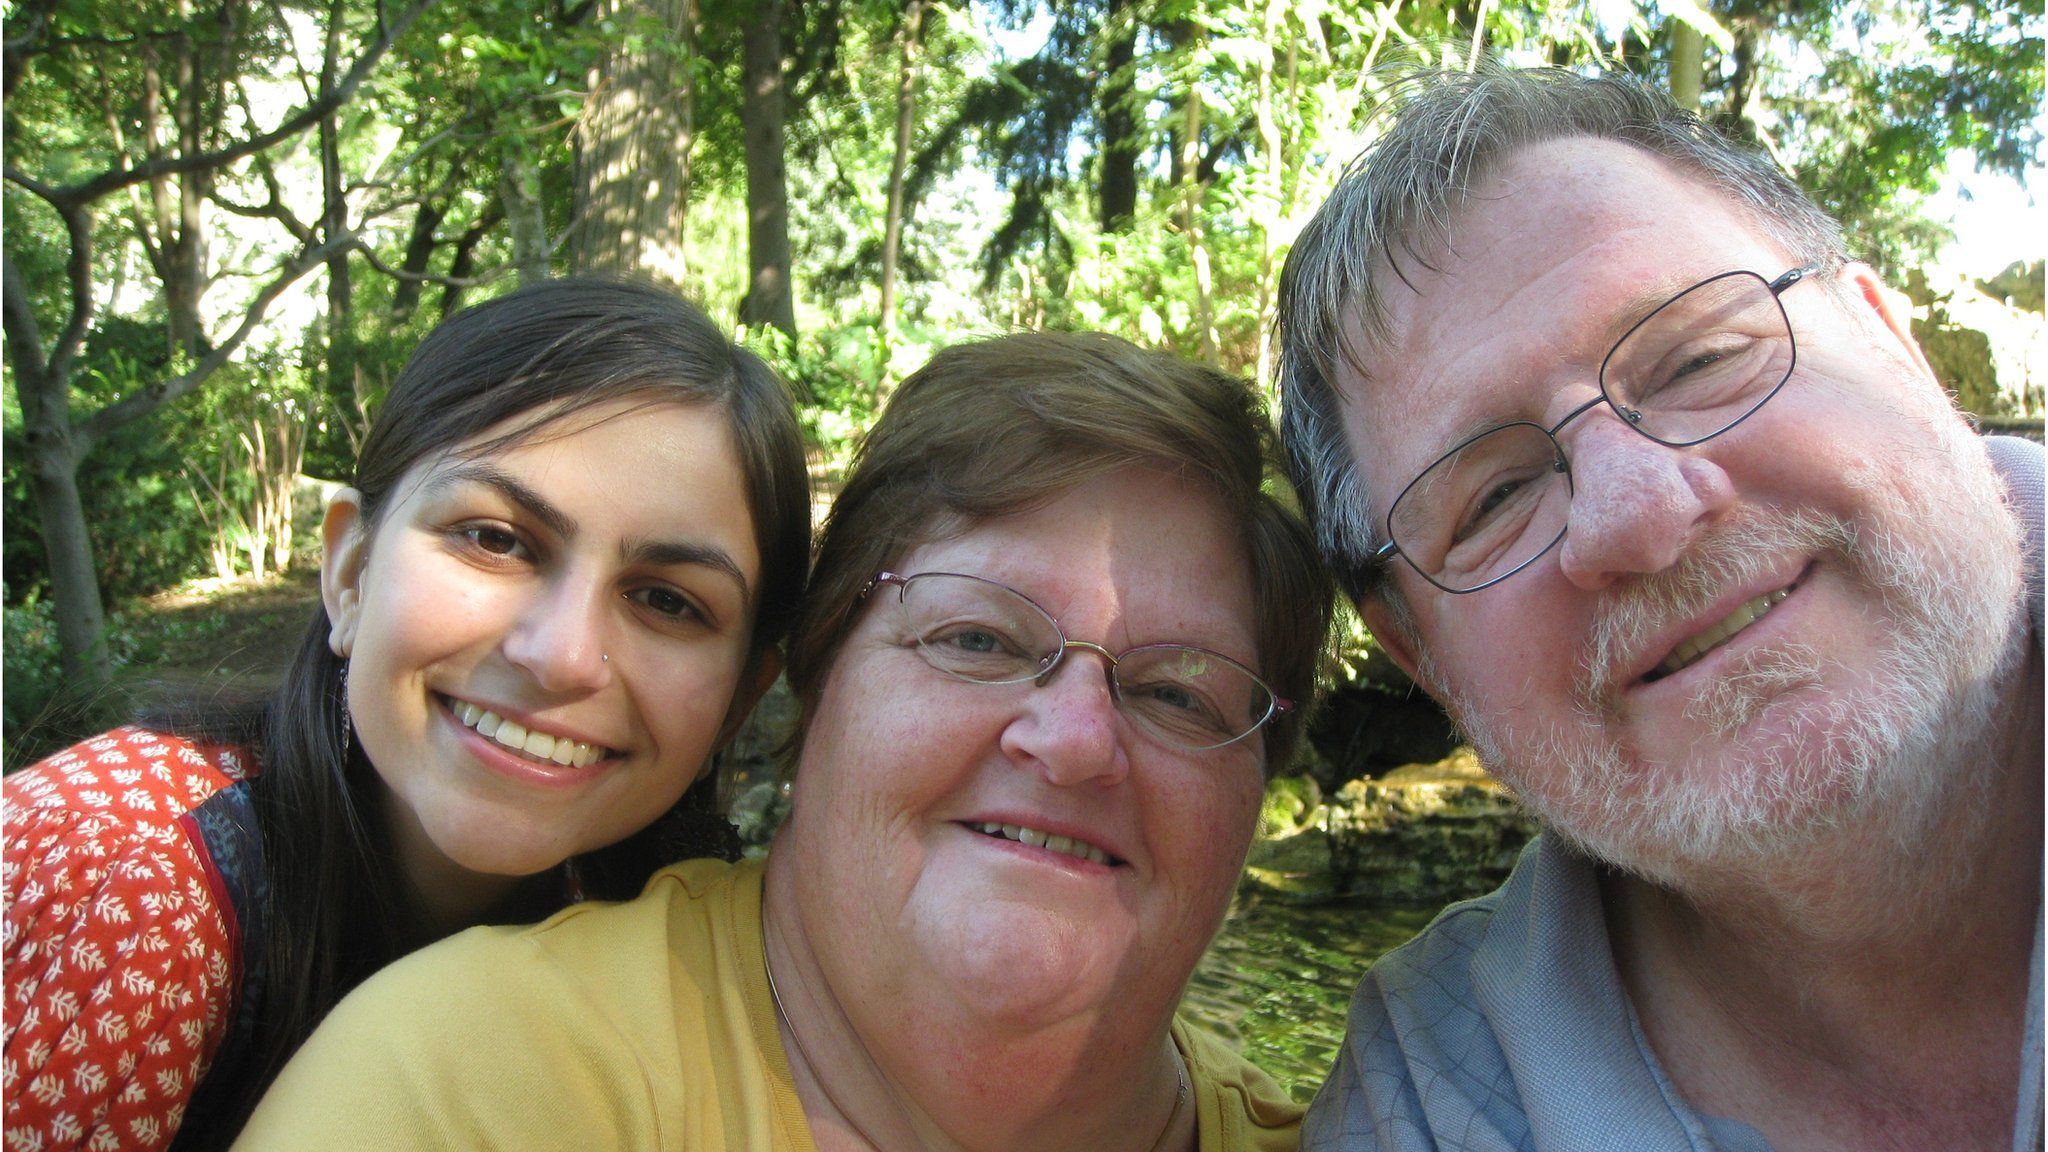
(1637, 505)
(1069, 727)
(559, 636)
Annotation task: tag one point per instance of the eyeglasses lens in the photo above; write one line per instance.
(1702, 362)
(1689, 371)
(982, 631)
(978, 630)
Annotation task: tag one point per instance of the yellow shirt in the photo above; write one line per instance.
(643, 1025)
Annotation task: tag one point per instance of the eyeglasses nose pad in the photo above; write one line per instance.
(1047, 666)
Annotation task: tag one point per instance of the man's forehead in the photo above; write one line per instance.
(1556, 251)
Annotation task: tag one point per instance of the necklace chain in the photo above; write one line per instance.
(1180, 1069)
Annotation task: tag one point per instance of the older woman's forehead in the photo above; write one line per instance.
(1138, 551)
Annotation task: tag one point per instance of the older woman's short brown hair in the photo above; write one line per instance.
(1001, 426)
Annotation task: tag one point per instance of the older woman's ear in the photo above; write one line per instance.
(344, 545)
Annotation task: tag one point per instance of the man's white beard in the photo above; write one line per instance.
(1882, 764)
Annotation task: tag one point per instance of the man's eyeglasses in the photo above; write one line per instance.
(989, 633)
(1700, 364)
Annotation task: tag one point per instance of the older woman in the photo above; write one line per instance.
(1057, 635)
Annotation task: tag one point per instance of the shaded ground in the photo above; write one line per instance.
(240, 635)
(201, 640)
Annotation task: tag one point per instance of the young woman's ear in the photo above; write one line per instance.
(344, 546)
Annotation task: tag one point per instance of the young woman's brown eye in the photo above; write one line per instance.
(496, 541)
(667, 602)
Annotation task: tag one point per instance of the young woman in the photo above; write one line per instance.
(576, 533)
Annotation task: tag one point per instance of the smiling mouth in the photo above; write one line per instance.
(1036, 839)
(533, 744)
(1745, 614)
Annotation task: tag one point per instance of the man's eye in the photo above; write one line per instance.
(667, 602)
(1486, 506)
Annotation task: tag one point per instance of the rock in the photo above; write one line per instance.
(1426, 832)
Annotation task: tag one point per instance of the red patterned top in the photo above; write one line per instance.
(122, 948)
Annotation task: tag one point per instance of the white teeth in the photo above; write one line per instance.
(1743, 616)
(1037, 839)
(534, 744)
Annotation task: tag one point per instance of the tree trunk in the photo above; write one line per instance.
(1273, 201)
(1191, 202)
(634, 144)
(419, 257)
(519, 192)
(770, 298)
(906, 126)
(52, 464)
(1118, 194)
(67, 549)
(462, 265)
(334, 224)
(188, 253)
(170, 232)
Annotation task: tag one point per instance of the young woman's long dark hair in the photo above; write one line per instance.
(336, 909)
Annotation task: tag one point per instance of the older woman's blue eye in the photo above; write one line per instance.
(975, 640)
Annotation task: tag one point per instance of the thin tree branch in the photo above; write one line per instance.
(292, 125)
(137, 405)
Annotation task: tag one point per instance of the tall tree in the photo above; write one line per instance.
(771, 298)
(633, 159)
(53, 440)
(1116, 115)
(907, 34)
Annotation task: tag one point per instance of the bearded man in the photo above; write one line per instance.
(1629, 465)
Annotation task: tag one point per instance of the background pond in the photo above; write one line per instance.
(1279, 977)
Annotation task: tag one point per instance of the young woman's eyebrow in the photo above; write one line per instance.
(490, 476)
(653, 553)
(668, 553)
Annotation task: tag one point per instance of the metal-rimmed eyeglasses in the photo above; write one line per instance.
(1699, 364)
(975, 629)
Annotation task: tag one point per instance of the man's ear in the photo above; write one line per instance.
(1392, 639)
(761, 670)
(1891, 307)
(344, 547)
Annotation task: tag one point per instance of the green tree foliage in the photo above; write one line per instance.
(1134, 166)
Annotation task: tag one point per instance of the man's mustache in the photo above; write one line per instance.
(1734, 551)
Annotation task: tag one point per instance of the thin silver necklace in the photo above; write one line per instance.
(1180, 1068)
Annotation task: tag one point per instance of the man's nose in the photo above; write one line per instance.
(1637, 505)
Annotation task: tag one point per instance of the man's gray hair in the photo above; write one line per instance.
(1445, 132)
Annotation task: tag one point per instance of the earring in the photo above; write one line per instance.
(605, 656)
(348, 724)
